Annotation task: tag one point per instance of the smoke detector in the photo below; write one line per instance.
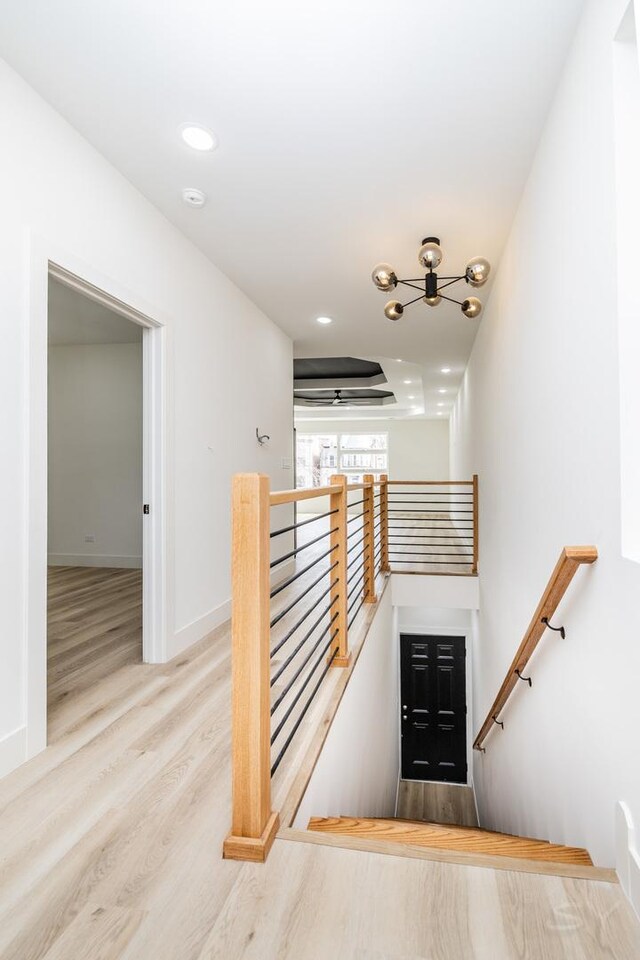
(193, 197)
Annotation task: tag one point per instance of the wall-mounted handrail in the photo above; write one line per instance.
(570, 559)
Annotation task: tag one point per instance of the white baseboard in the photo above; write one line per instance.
(13, 750)
(203, 625)
(627, 855)
(198, 629)
(93, 560)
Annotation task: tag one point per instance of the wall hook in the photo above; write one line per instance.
(526, 679)
(559, 630)
(262, 437)
(499, 722)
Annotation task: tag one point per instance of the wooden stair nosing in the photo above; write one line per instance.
(450, 838)
(576, 871)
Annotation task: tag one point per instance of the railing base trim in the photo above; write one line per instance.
(254, 849)
(341, 661)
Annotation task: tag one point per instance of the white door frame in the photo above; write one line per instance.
(45, 262)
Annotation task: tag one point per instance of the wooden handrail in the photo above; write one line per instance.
(570, 559)
(305, 493)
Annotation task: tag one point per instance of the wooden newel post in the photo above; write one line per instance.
(384, 524)
(474, 568)
(368, 552)
(338, 556)
(254, 824)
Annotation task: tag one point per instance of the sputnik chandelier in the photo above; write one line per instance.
(430, 257)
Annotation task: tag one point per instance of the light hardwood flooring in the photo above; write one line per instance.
(437, 803)
(94, 622)
(111, 850)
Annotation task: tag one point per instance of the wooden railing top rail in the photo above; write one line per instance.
(305, 493)
(570, 559)
(430, 483)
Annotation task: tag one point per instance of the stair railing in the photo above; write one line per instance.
(295, 603)
(570, 559)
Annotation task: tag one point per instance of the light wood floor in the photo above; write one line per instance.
(111, 840)
(94, 623)
(437, 803)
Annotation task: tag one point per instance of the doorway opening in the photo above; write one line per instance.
(434, 708)
(94, 515)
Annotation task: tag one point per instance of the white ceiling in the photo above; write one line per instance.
(75, 319)
(348, 131)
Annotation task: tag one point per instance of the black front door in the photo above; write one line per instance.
(434, 708)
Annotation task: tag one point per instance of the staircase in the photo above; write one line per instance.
(455, 839)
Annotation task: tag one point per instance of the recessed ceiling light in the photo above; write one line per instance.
(441, 404)
(411, 396)
(197, 137)
(398, 360)
(194, 197)
(324, 319)
(441, 390)
(445, 370)
(407, 381)
(439, 413)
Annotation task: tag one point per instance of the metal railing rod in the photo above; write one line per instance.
(358, 516)
(355, 614)
(354, 503)
(278, 759)
(423, 511)
(358, 583)
(354, 572)
(285, 663)
(354, 545)
(302, 523)
(447, 563)
(427, 553)
(301, 596)
(283, 693)
(294, 553)
(297, 625)
(286, 583)
(355, 533)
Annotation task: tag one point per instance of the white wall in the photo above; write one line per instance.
(95, 454)
(538, 420)
(418, 449)
(357, 771)
(229, 369)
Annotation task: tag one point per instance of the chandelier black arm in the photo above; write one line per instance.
(414, 301)
(454, 280)
(408, 283)
(450, 299)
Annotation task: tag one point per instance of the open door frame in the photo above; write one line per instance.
(45, 263)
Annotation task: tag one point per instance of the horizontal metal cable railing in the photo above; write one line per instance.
(293, 608)
(298, 590)
(433, 524)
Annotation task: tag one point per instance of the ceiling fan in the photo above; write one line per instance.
(338, 399)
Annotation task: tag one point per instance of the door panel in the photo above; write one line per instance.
(434, 711)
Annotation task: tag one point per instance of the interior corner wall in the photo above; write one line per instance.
(357, 771)
(228, 370)
(95, 455)
(538, 419)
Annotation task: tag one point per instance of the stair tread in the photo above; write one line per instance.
(471, 839)
(462, 828)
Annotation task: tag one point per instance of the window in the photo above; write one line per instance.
(318, 456)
